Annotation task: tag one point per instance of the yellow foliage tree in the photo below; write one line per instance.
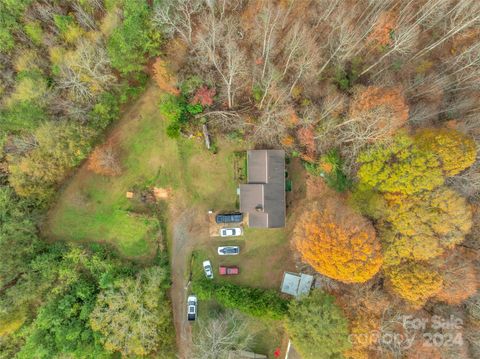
(400, 167)
(413, 281)
(422, 227)
(338, 243)
(454, 150)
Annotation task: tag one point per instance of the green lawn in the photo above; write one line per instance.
(95, 208)
(264, 256)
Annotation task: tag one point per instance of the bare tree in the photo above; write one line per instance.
(219, 44)
(86, 72)
(220, 336)
(176, 16)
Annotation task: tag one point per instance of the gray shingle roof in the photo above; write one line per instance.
(263, 198)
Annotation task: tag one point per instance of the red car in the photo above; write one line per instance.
(228, 270)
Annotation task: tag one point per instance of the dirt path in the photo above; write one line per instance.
(182, 245)
(187, 222)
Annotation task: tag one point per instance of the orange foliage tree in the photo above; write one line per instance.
(104, 161)
(164, 79)
(381, 33)
(306, 138)
(338, 243)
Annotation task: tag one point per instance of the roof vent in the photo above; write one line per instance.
(259, 208)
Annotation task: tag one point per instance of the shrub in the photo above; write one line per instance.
(253, 301)
(171, 108)
(190, 85)
(104, 111)
(194, 109)
(104, 161)
(204, 96)
(330, 168)
(34, 32)
(173, 130)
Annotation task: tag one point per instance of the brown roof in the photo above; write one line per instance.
(263, 198)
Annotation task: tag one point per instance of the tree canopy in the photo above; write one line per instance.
(399, 167)
(317, 326)
(454, 150)
(422, 227)
(414, 281)
(134, 315)
(338, 243)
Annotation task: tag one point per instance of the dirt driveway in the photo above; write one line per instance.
(187, 232)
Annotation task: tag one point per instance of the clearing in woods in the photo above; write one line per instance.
(95, 208)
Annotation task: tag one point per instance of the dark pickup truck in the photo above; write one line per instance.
(229, 217)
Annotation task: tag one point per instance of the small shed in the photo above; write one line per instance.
(296, 284)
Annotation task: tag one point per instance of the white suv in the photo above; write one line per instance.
(191, 307)
(207, 267)
(230, 232)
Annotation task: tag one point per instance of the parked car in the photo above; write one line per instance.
(207, 268)
(231, 232)
(229, 217)
(228, 270)
(191, 307)
(228, 250)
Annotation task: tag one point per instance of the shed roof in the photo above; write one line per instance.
(296, 284)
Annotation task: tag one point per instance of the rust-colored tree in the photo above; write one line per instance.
(306, 137)
(104, 161)
(164, 79)
(459, 278)
(372, 99)
(337, 242)
(382, 30)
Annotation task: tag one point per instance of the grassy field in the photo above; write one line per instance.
(95, 208)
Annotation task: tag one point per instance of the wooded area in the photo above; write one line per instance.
(378, 98)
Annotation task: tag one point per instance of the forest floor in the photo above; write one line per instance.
(94, 208)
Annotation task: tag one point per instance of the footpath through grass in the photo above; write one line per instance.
(95, 208)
